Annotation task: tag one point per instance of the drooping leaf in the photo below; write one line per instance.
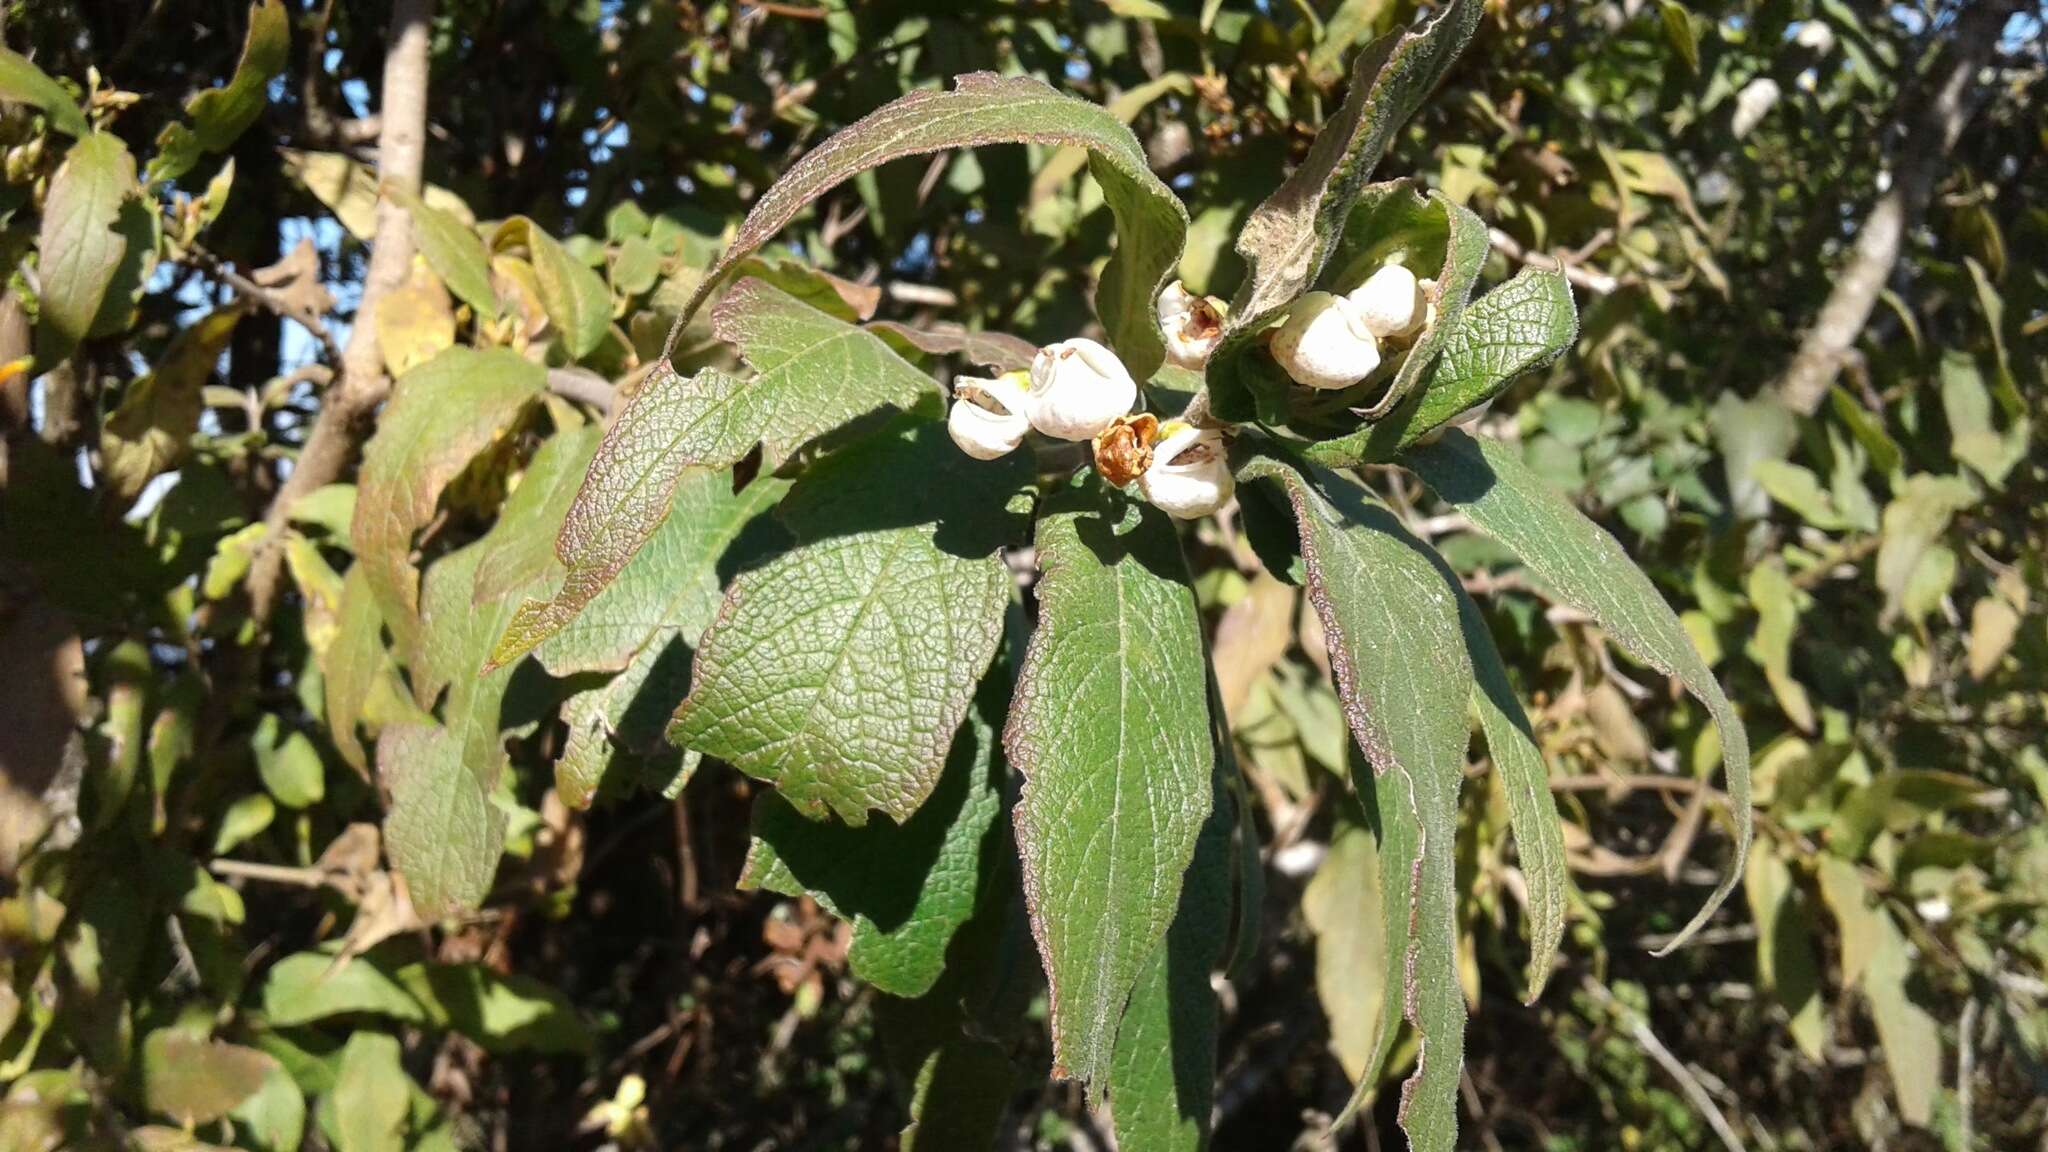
(1585, 568)
(1390, 616)
(1342, 908)
(79, 248)
(983, 109)
(1162, 1074)
(841, 670)
(455, 252)
(1110, 729)
(1517, 328)
(578, 304)
(219, 116)
(1525, 780)
(441, 415)
(21, 82)
(906, 888)
(1288, 238)
(1875, 958)
(152, 428)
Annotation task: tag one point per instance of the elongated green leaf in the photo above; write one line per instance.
(455, 252)
(219, 116)
(441, 415)
(1875, 958)
(1288, 238)
(1532, 810)
(1162, 1075)
(841, 670)
(352, 663)
(816, 373)
(906, 888)
(23, 83)
(79, 248)
(1110, 728)
(983, 109)
(1391, 617)
(1578, 561)
(578, 304)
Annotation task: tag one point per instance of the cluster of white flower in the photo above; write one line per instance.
(1331, 341)
(1078, 390)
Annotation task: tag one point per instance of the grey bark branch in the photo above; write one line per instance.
(351, 404)
(1935, 114)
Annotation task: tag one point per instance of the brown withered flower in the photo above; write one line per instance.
(1124, 449)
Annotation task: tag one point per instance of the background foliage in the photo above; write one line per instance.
(192, 830)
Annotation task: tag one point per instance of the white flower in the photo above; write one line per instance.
(1753, 103)
(1391, 303)
(1190, 473)
(1193, 325)
(1325, 343)
(988, 417)
(1815, 35)
(1078, 388)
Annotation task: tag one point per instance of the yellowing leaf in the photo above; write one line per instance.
(151, 430)
(414, 322)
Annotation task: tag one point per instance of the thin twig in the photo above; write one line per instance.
(582, 386)
(1596, 282)
(1639, 1029)
(214, 266)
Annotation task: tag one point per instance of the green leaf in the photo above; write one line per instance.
(21, 82)
(906, 888)
(79, 247)
(1800, 490)
(367, 1110)
(1287, 239)
(1777, 604)
(1785, 962)
(502, 1013)
(1913, 525)
(816, 373)
(455, 252)
(1974, 439)
(1525, 780)
(1586, 569)
(445, 831)
(273, 1118)
(1110, 728)
(1162, 1075)
(352, 663)
(1875, 957)
(983, 109)
(1342, 908)
(840, 671)
(220, 115)
(308, 987)
(813, 373)
(194, 1080)
(441, 415)
(578, 304)
(1390, 614)
(1678, 30)
(290, 767)
(1517, 328)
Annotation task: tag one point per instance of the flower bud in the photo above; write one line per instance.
(1325, 343)
(1078, 388)
(1193, 325)
(988, 417)
(1753, 103)
(1391, 303)
(1190, 473)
